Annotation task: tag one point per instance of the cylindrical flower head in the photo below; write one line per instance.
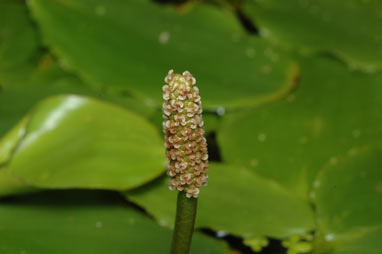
(186, 146)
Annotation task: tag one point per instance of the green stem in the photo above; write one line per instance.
(184, 224)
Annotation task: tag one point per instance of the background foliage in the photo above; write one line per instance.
(292, 92)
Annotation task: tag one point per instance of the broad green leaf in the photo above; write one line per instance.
(9, 142)
(236, 201)
(12, 185)
(130, 45)
(332, 111)
(349, 201)
(81, 226)
(361, 242)
(79, 142)
(26, 85)
(18, 39)
(29, 83)
(349, 29)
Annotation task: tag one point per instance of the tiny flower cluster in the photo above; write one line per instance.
(186, 146)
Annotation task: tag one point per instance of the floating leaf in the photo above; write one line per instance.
(350, 29)
(24, 87)
(343, 220)
(11, 185)
(290, 140)
(18, 39)
(9, 142)
(29, 83)
(81, 226)
(130, 45)
(236, 201)
(78, 142)
(367, 242)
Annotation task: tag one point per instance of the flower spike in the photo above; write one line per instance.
(186, 146)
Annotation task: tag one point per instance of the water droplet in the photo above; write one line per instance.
(329, 237)
(100, 10)
(265, 32)
(149, 102)
(312, 195)
(262, 137)
(220, 111)
(316, 184)
(99, 224)
(163, 223)
(164, 37)
(221, 234)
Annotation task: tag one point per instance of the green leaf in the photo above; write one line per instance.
(332, 111)
(29, 83)
(12, 185)
(367, 242)
(9, 142)
(236, 201)
(130, 45)
(18, 39)
(343, 219)
(80, 226)
(26, 85)
(78, 142)
(349, 29)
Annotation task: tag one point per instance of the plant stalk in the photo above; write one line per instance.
(184, 224)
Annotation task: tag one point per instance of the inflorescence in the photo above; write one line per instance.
(186, 146)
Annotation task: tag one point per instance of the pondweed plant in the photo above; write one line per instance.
(186, 150)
